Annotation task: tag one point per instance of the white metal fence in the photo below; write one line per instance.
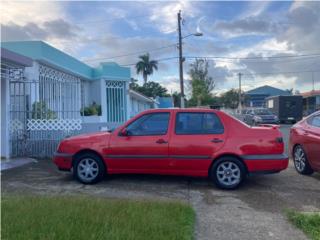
(42, 111)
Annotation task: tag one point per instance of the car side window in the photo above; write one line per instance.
(315, 121)
(189, 123)
(149, 124)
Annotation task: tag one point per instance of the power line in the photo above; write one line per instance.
(235, 71)
(130, 54)
(275, 73)
(249, 58)
(264, 61)
(304, 57)
(158, 60)
(113, 19)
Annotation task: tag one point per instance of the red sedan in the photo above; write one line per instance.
(190, 142)
(305, 144)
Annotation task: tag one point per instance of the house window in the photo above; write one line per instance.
(59, 94)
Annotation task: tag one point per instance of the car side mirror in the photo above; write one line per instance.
(124, 132)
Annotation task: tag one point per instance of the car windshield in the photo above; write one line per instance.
(262, 112)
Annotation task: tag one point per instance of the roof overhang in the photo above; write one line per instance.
(141, 96)
(15, 58)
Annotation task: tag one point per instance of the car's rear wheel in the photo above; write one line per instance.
(228, 172)
(88, 168)
(301, 161)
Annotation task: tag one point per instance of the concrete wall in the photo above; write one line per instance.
(5, 148)
(138, 106)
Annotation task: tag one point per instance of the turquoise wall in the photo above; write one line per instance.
(41, 51)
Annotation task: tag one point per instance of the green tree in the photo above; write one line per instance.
(201, 83)
(134, 84)
(146, 66)
(230, 99)
(150, 89)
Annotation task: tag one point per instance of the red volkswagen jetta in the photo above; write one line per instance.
(305, 144)
(192, 142)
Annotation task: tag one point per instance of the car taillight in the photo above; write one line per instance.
(279, 140)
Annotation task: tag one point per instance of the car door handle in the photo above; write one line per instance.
(161, 141)
(216, 140)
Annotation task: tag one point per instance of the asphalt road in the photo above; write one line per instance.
(255, 211)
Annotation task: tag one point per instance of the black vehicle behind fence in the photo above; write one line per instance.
(287, 108)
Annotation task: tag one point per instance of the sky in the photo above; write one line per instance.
(270, 43)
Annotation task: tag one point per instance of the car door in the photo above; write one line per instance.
(312, 141)
(144, 148)
(195, 138)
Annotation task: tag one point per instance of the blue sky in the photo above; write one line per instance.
(97, 31)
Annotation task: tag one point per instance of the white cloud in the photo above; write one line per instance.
(164, 15)
(22, 12)
(254, 8)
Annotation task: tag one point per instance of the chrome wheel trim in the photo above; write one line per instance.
(228, 173)
(88, 169)
(299, 159)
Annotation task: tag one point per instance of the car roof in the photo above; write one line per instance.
(180, 110)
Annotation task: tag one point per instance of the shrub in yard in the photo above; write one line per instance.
(92, 110)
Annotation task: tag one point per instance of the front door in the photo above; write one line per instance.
(144, 148)
(196, 137)
(312, 141)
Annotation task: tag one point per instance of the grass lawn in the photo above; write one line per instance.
(87, 218)
(309, 223)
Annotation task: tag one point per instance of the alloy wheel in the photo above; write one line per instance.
(228, 173)
(88, 169)
(299, 159)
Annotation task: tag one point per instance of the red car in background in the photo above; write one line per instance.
(305, 144)
(190, 142)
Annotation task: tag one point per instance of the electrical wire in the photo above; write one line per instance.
(130, 54)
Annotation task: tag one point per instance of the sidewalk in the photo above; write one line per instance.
(15, 162)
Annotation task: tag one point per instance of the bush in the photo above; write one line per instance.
(92, 110)
(41, 111)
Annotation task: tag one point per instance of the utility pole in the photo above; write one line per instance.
(180, 61)
(312, 81)
(240, 105)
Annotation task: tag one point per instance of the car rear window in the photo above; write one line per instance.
(188, 123)
(314, 121)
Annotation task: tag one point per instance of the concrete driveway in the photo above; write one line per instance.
(255, 211)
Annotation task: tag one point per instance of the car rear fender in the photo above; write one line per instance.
(227, 155)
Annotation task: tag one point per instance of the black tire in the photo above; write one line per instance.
(98, 171)
(301, 165)
(217, 166)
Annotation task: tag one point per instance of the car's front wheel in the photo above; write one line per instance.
(88, 168)
(301, 161)
(228, 172)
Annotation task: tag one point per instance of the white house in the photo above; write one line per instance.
(49, 95)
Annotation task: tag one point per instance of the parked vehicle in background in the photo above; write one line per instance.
(259, 116)
(191, 142)
(305, 144)
(286, 108)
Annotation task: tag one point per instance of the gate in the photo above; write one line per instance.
(42, 111)
(116, 101)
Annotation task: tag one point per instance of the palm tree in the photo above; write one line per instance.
(146, 66)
